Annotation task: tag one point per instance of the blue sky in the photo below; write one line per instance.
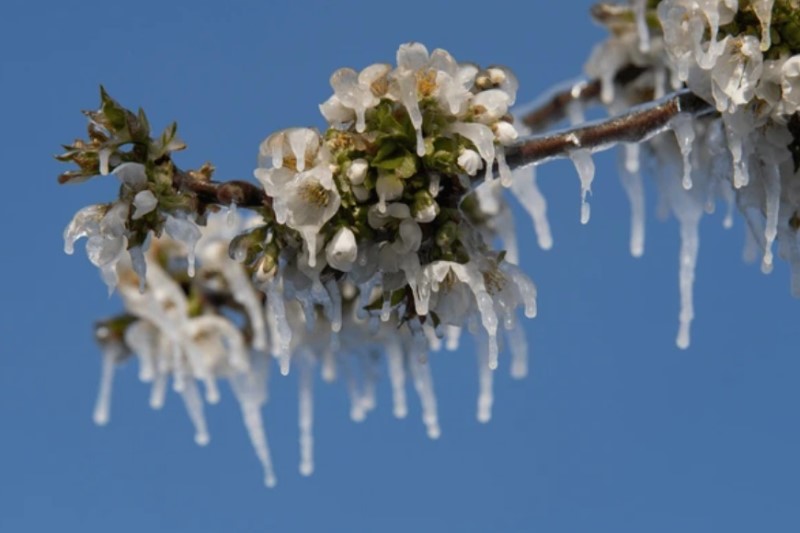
(615, 429)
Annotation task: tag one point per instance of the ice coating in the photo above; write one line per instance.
(584, 165)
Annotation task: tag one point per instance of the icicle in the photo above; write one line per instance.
(518, 345)
(489, 320)
(750, 249)
(575, 113)
(335, 304)
(772, 190)
(505, 173)
(187, 232)
(243, 292)
(251, 393)
(584, 165)
(452, 335)
(232, 219)
(423, 383)
(631, 180)
(386, 308)
(789, 239)
(640, 11)
(763, 10)
(737, 148)
(158, 392)
(306, 417)
(280, 331)
(357, 411)
(485, 383)
(112, 351)
(688, 261)
(527, 192)
(397, 376)
(684, 134)
(194, 406)
(328, 366)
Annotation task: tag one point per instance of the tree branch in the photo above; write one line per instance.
(241, 193)
(555, 107)
(637, 125)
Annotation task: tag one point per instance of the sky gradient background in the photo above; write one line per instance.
(615, 429)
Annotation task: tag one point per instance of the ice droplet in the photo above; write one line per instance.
(584, 165)
(306, 417)
(631, 179)
(772, 190)
(397, 376)
(111, 352)
(688, 261)
(684, 134)
(485, 383)
(527, 192)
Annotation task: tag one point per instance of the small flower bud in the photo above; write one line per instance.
(389, 187)
(424, 208)
(504, 132)
(496, 75)
(469, 161)
(357, 171)
(342, 250)
(144, 202)
(447, 234)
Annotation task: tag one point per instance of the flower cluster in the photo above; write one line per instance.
(369, 242)
(384, 201)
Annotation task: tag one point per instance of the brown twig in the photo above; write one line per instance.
(241, 193)
(555, 108)
(637, 125)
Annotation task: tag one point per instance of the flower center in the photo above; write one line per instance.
(315, 194)
(426, 82)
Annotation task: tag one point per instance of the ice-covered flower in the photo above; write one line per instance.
(355, 93)
(737, 72)
(104, 226)
(419, 76)
(790, 84)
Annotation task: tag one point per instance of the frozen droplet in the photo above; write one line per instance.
(763, 10)
(631, 179)
(527, 192)
(194, 406)
(485, 383)
(111, 352)
(683, 128)
(397, 376)
(584, 165)
(688, 260)
(643, 32)
(306, 417)
(772, 191)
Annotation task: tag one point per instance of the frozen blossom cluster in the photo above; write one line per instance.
(365, 247)
(370, 246)
(743, 58)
